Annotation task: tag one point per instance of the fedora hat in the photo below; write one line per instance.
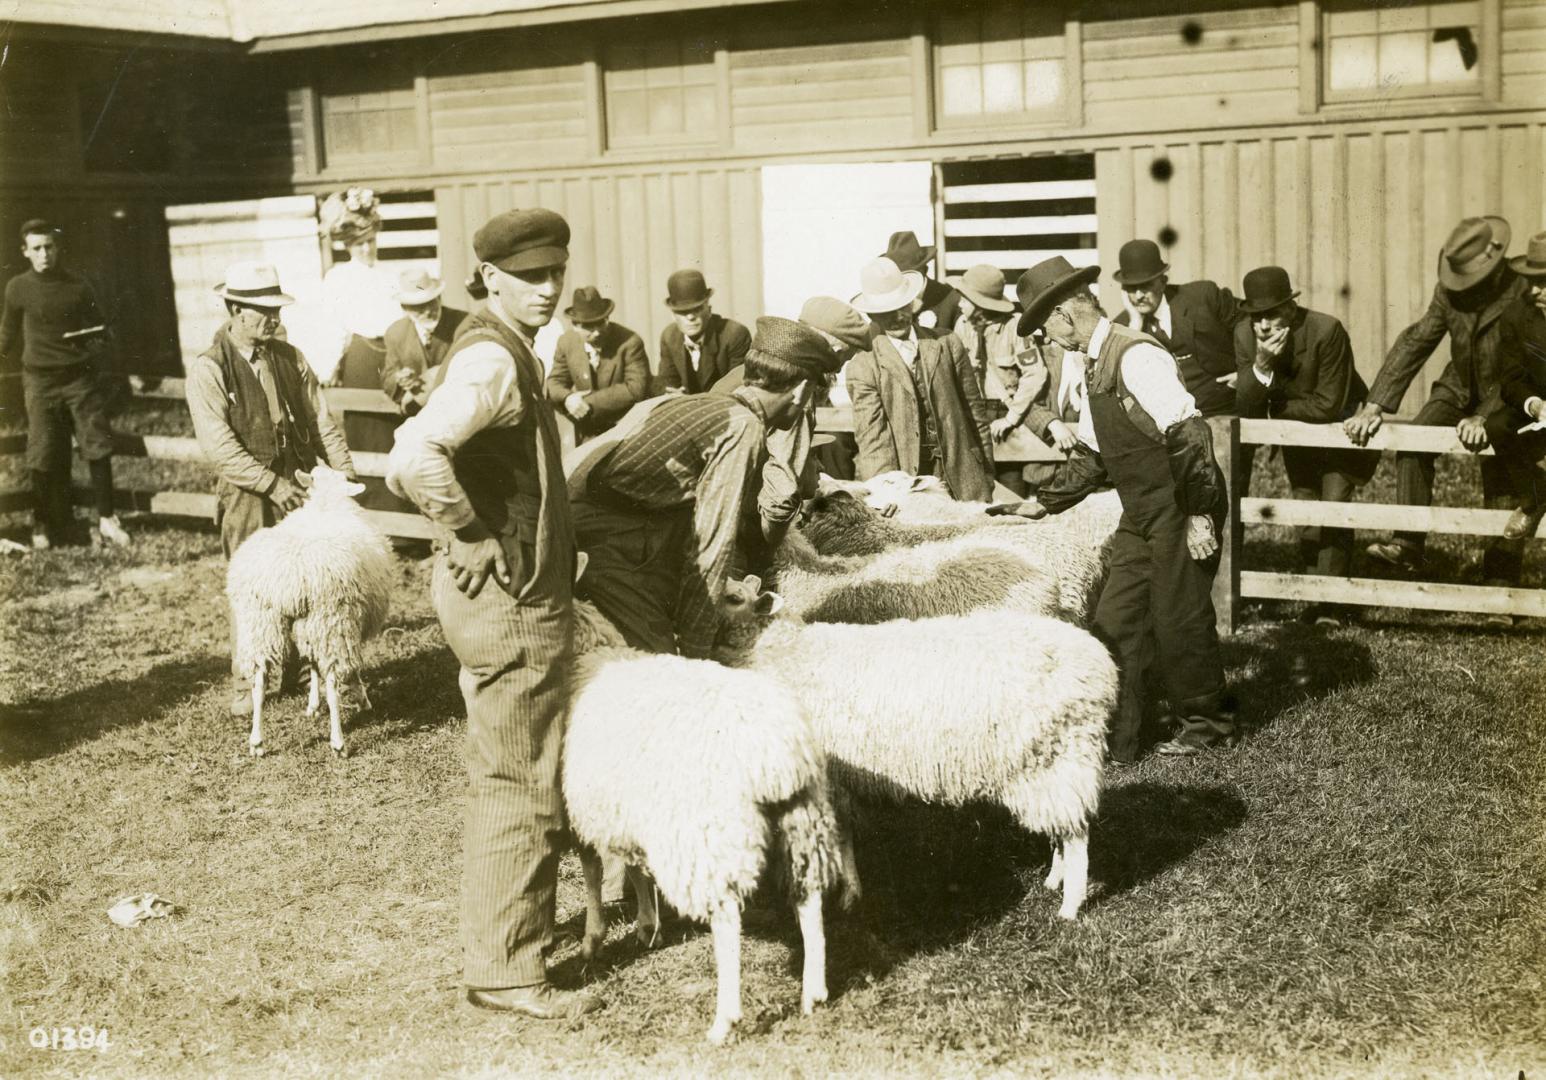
(1473, 249)
(417, 286)
(1265, 288)
(983, 285)
(686, 290)
(1043, 285)
(904, 250)
(884, 286)
(254, 283)
(589, 305)
(1139, 261)
(1533, 262)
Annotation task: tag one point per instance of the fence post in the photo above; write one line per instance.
(1226, 582)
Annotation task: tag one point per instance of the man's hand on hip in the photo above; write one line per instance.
(474, 556)
(1201, 543)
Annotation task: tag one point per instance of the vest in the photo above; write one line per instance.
(296, 438)
(514, 476)
(1131, 443)
(928, 429)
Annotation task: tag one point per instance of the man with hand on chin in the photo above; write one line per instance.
(483, 460)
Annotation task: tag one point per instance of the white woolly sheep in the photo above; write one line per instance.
(1072, 547)
(320, 581)
(692, 770)
(930, 708)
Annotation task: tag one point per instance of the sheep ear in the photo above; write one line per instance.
(581, 561)
(753, 584)
(303, 478)
(768, 603)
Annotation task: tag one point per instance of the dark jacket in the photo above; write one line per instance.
(1202, 339)
(1522, 353)
(403, 349)
(725, 343)
(1470, 379)
(886, 421)
(622, 377)
(1319, 383)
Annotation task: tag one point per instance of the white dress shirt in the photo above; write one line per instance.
(1161, 315)
(907, 348)
(1150, 375)
(694, 352)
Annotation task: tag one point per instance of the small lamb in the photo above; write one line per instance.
(693, 770)
(929, 708)
(319, 580)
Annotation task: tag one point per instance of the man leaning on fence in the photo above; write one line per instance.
(1517, 428)
(259, 416)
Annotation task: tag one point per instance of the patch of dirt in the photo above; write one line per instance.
(76, 596)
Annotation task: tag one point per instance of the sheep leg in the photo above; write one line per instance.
(255, 740)
(595, 910)
(726, 924)
(1055, 875)
(1076, 874)
(314, 695)
(814, 934)
(648, 929)
(336, 734)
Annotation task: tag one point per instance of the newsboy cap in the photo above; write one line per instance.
(794, 343)
(523, 240)
(830, 315)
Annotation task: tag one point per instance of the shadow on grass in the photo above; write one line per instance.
(1288, 664)
(412, 693)
(1145, 828)
(31, 731)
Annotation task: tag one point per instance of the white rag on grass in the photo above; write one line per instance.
(133, 910)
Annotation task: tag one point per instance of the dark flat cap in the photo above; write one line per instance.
(795, 343)
(523, 240)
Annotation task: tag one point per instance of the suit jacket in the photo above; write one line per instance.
(1044, 409)
(1470, 380)
(1202, 339)
(944, 302)
(1522, 353)
(403, 349)
(1319, 384)
(725, 343)
(887, 425)
(622, 377)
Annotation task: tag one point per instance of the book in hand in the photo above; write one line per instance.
(68, 334)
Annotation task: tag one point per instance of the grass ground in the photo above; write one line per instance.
(1358, 890)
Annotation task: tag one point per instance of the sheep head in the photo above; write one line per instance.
(745, 608)
(841, 521)
(325, 485)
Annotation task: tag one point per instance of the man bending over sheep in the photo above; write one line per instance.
(483, 460)
(259, 416)
(665, 510)
(1146, 429)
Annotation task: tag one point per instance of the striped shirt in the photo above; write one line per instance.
(707, 450)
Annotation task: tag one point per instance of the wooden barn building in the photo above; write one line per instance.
(776, 144)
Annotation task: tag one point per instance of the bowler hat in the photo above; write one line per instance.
(1533, 262)
(1043, 285)
(589, 305)
(794, 343)
(983, 285)
(1139, 261)
(1473, 249)
(254, 283)
(417, 286)
(1265, 288)
(904, 250)
(686, 290)
(884, 286)
(831, 316)
(523, 240)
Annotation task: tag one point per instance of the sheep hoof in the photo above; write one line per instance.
(1068, 914)
(809, 1001)
(340, 751)
(648, 936)
(590, 948)
(720, 1032)
(256, 750)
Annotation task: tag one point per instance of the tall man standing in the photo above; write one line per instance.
(259, 416)
(1157, 602)
(699, 347)
(482, 459)
(52, 319)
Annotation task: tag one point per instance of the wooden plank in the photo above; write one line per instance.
(1391, 436)
(1373, 592)
(1158, 88)
(1377, 516)
(1226, 578)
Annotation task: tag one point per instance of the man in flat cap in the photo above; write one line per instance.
(1157, 602)
(482, 459)
(675, 498)
(1475, 286)
(600, 369)
(699, 347)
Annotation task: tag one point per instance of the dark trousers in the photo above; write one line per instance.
(1414, 487)
(1523, 456)
(1329, 476)
(634, 570)
(60, 401)
(1156, 609)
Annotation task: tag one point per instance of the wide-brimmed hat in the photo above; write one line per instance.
(884, 286)
(1043, 285)
(1533, 262)
(417, 286)
(589, 305)
(984, 285)
(1265, 288)
(1473, 250)
(686, 289)
(794, 343)
(904, 250)
(831, 316)
(255, 283)
(1139, 261)
(523, 240)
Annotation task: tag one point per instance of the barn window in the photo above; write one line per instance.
(371, 115)
(1000, 62)
(661, 91)
(1385, 51)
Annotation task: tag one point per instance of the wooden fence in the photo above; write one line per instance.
(1233, 584)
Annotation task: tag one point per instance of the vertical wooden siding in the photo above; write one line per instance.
(630, 231)
(1356, 217)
